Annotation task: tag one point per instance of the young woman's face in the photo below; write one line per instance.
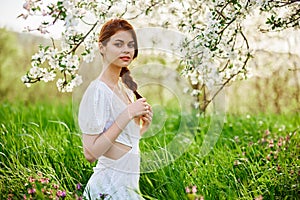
(119, 50)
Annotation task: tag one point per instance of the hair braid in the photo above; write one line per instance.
(128, 81)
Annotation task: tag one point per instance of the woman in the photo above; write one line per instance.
(111, 121)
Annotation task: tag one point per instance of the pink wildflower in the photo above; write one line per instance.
(44, 180)
(194, 189)
(55, 186)
(263, 140)
(271, 143)
(280, 142)
(78, 197)
(287, 138)
(60, 193)
(187, 190)
(31, 191)
(267, 132)
(31, 179)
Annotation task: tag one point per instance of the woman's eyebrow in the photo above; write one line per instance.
(119, 40)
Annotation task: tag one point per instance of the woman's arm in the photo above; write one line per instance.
(96, 145)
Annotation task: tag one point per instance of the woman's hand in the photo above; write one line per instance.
(142, 110)
(138, 108)
(146, 120)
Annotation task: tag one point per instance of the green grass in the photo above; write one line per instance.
(43, 138)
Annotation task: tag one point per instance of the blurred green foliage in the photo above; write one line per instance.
(16, 50)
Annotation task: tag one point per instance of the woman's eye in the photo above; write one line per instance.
(118, 44)
(131, 45)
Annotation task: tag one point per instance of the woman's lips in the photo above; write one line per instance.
(125, 58)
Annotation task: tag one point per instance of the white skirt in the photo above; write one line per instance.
(115, 179)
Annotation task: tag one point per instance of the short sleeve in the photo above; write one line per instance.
(93, 111)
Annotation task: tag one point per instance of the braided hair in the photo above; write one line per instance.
(128, 81)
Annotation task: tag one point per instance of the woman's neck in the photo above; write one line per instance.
(110, 75)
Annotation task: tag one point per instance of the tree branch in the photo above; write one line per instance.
(84, 37)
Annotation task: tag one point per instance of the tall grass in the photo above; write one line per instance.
(40, 138)
(254, 156)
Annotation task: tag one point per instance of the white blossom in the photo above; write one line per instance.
(40, 55)
(28, 85)
(71, 20)
(117, 9)
(89, 57)
(76, 81)
(54, 63)
(195, 92)
(48, 76)
(60, 85)
(71, 62)
(35, 72)
(210, 44)
(186, 89)
(196, 105)
(25, 79)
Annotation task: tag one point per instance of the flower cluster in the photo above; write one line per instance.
(192, 193)
(40, 187)
(274, 145)
(216, 49)
(80, 20)
(67, 64)
(273, 150)
(78, 192)
(43, 187)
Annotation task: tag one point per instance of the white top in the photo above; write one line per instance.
(119, 178)
(99, 108)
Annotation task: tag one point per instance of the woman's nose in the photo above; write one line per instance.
(126, 49)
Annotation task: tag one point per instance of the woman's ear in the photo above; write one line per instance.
(101, 48)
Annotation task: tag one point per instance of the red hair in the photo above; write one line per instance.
(110, 28)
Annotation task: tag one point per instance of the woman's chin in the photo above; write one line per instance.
(123, 64)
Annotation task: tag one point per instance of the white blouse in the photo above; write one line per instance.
(99, 108)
